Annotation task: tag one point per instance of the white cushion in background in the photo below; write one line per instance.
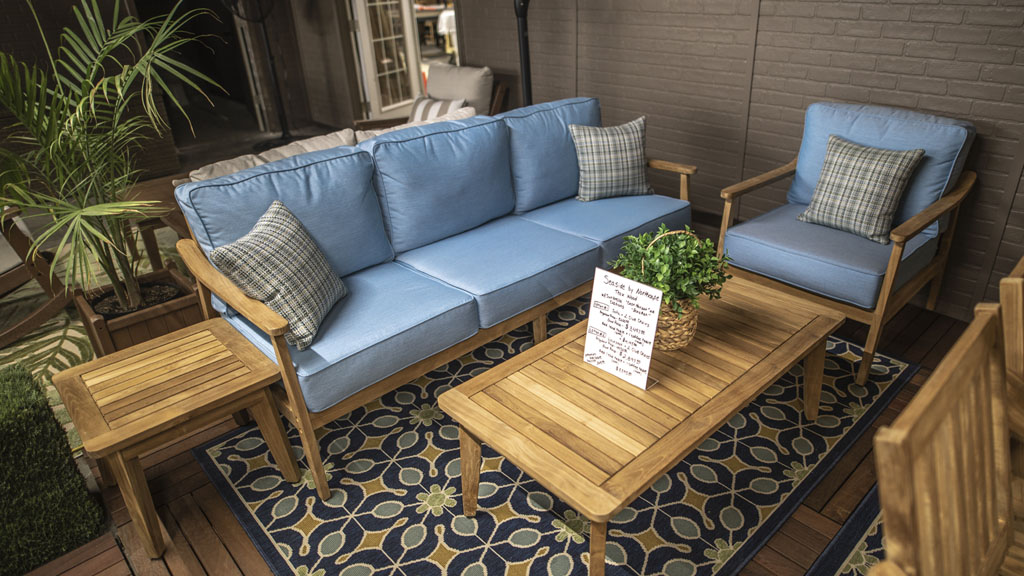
(447, 82)
(346, 137)
(460, 114)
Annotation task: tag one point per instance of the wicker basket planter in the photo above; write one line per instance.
(675, 331)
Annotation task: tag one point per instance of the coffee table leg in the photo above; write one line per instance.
(814, 372)
(598, 535)
(132, 481)
(270, 425)
(469, 452)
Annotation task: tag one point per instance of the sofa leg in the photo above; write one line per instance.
(874, 334)
(314, 462)
(540, 329)
(933, 292)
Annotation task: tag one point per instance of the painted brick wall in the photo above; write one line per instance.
(731, 101)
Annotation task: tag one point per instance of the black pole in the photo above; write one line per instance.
(521, 7)
(281, 117)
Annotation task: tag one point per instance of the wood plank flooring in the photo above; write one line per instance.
(205, 538)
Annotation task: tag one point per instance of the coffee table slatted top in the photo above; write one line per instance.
(595, 440)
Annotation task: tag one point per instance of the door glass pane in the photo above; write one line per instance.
(388, 29)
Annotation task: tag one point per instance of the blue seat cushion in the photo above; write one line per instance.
(509, 265)
(544, 164)
(830, 262)
(608, 221)
(945, 141)
(438, 180)
(392, 318)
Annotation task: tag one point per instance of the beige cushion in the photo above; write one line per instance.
(344, 137)
(225, 167)
(428, 108)
(446, 82)
(460, 114)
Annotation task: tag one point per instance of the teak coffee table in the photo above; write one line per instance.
(132, 401)
(596, 441)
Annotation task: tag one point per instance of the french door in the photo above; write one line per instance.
(388, 53)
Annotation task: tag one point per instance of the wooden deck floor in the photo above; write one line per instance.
(205, 538)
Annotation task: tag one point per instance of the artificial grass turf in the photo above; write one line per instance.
(45, 509)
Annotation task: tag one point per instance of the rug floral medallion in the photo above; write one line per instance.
(396, 507)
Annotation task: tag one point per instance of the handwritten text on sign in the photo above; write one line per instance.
(622, 322)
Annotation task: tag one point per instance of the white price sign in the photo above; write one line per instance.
(621, 325)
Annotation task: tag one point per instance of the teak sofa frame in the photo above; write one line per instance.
(890, 299)
(289, 396)
(1011, 300)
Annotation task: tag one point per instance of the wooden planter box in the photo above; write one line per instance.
(109, 336)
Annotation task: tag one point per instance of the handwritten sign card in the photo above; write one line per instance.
(622, 322)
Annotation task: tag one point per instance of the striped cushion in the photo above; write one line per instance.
(427, 108)
(279, 264)
(611, 160)
(859, 188)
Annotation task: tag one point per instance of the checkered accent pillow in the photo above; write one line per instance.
(279, 264)
(424, 108)
(611, 160)
(860, 188)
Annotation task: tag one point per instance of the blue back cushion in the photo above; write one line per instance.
(945, 141)
(330, 192)
(438, 180)
(544, 165)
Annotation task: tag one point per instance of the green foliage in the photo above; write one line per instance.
(45, 510)
(80, 119)
(682, 266)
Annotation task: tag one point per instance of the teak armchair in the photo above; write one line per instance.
(867, 281)
(943, 473)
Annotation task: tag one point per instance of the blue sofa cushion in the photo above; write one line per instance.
(607, 222)
(438, 180)
(544, 165)
(330, 192)
(392, 318)
(830, 262)
(509, 265)
(945, 141)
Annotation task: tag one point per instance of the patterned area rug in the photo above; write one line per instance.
(859, 544)
(396, 508)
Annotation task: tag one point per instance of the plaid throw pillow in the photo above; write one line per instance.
(860, 188)
(427, 108)
(279, 264)
(611, 160)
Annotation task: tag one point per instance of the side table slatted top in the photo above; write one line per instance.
(147, 389)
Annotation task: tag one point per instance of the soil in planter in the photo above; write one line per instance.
(152, 294)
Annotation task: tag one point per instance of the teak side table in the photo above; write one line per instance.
(132, 401)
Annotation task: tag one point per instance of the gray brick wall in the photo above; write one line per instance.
(732, 102)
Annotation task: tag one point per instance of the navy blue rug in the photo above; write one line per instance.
(858, 545)
(396, 508)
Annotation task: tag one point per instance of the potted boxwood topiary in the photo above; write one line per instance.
(80, 117)
(684, 268)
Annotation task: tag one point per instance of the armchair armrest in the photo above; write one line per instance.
(924, 218)
(10, 212)
(379, 124)
(255, 311)
(669, 166)
(760, 181)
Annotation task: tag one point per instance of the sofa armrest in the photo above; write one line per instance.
(904, 232)
(684, 171)
(886, 568)
(760, 181)
(379, 124)
(255, 311)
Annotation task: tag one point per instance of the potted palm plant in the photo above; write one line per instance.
(684, 268)
(80, 118)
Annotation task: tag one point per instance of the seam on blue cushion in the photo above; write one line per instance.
(423, 274)
(191, 200)
(599, 240)
(562, 105)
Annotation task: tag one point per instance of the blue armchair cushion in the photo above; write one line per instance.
(544, 166)
(945, 141)
(860, 187)
(509, 265)
(330, 192)
(607, 222)
(278, 264)
(393, 317)
(611, 160)
(830, 262)
(437, 180)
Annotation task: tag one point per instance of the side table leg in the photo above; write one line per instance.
(814, 372)
(469, 452)
(598, 536)
(107, 477)
(132, 481)
(265, 414)
(540, 329)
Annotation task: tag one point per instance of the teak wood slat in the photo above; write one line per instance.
(596, 441)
